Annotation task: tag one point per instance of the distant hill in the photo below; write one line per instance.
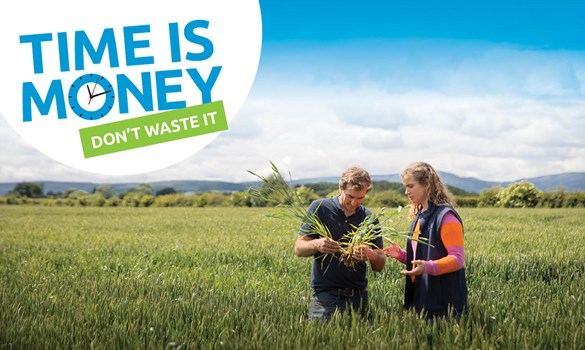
(570, 181)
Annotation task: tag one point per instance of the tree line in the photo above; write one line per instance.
(522, 194)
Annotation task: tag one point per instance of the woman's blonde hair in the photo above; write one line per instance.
(425, 174)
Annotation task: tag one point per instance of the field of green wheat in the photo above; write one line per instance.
(212, 278)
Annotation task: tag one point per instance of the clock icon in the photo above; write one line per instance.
(91, 96)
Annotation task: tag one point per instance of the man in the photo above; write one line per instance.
(336, 286)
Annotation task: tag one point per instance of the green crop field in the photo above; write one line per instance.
(211, 278)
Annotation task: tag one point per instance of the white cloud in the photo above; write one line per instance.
(495, 113)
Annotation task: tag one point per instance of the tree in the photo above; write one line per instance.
(75, 193)
(106, 191)
(165, 191)
(143, 189)
(28, 189)
(519, 195)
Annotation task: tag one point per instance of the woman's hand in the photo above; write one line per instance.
(392, 251)
(418, 268)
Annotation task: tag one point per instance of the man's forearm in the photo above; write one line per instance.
(305, 247)
(377, 259)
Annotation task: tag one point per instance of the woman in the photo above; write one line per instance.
(435, 276)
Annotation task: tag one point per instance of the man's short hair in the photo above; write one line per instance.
(355, 178)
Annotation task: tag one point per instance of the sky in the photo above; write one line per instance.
(486, 89)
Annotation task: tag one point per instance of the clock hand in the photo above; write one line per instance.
(101, 93)
(91, 95)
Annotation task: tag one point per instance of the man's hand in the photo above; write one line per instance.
(306, 246)
(363, 253)
(326, 246)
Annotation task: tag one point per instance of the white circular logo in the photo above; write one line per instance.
(126, 87)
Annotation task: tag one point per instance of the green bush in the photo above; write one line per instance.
(490, 197)
(466, 202)
(521, 194)
(307, 194)
(388, 199)
(211, 199)
(553, 199)
(131, 199)
(174, 200)
(240, 199)
(575, 200)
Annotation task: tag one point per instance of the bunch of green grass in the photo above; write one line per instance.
(289, 203)
(375, 225)
(287, 200)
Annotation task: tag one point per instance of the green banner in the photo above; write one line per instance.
(153, 129)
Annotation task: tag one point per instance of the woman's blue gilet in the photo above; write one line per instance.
(434, 295)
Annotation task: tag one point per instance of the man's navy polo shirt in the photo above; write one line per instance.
(330, 273)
